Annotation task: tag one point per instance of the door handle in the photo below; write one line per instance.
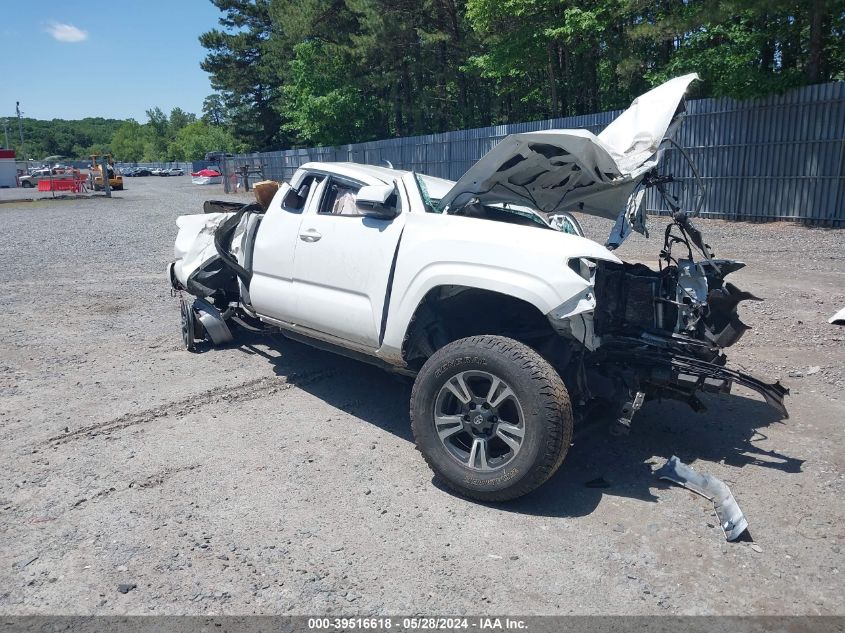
(310, 235)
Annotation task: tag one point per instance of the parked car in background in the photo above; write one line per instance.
(129, 172)
(31, 180)
(175, 171)
(218, 157)
(155, 172)
(142, 171)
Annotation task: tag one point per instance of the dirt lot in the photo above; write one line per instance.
(271, 478)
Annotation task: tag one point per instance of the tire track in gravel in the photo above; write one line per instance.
(249, 390)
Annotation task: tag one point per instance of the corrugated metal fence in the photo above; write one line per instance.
(184, 166)
(777, 158)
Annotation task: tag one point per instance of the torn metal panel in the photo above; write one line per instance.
(575, 317)
(213, 322)
(560, 170)
(731, 519)
(195, 242)
(667, 365)
(632, 218)
(634, 137)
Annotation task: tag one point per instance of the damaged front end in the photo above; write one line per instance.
(660, 333)
(632, 332)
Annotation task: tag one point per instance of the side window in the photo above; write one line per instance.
(295, 199)
(340, 199)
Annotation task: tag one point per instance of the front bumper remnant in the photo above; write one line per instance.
(708, 373)
(731, 519)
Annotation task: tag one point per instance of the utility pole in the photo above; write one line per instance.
(20, 130)
(104, 170)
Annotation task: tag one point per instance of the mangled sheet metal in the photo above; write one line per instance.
(575, 170)
(197, 267)
(731, 519)
(195, 242)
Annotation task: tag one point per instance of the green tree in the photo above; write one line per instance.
(214, 110)
(747, 49)
(158, 126)
(321, 108)
(129, 141)
(179, 119)
(242, 73)
(198, 138)
(405, 59)
(59, 137)
(160, 133)
(294, 72)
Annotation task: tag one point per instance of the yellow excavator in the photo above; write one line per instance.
(96, 174)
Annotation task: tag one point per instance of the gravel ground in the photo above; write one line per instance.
(267, 477)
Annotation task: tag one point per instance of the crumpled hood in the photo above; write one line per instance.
(575, 170)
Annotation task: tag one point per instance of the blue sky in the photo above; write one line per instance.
(50, 51)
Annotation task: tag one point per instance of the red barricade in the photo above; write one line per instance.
(63, 184)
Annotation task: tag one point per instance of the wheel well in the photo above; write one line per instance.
(449, 313)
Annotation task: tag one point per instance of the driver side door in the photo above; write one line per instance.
(343, 265)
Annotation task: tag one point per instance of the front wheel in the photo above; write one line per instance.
(26, 184)
(491, 417)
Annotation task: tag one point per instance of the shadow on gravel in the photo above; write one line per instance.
(362, 390)
(597, 464)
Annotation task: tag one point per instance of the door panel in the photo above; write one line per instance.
(342, 267)
(271, 289)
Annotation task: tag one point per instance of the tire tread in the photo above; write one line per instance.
(555, 401)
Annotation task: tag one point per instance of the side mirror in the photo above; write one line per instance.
(374, 201)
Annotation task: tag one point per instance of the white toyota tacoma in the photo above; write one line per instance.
(512, 323)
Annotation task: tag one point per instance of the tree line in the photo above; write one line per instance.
(59, 137)
(177, 136)
(298, 73)
(293, 73)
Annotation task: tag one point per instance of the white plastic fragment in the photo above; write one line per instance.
(731, 519)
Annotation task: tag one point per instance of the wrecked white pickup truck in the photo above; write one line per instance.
(485, 290)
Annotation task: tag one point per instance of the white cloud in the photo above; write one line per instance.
(66, 32)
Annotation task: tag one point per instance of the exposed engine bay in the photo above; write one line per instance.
(662, 332)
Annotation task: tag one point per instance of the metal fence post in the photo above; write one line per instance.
(104, 171)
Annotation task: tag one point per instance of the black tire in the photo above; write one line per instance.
(188, 326)
(542, 401)
(26, 184)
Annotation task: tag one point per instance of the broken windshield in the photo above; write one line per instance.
(430, 205)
